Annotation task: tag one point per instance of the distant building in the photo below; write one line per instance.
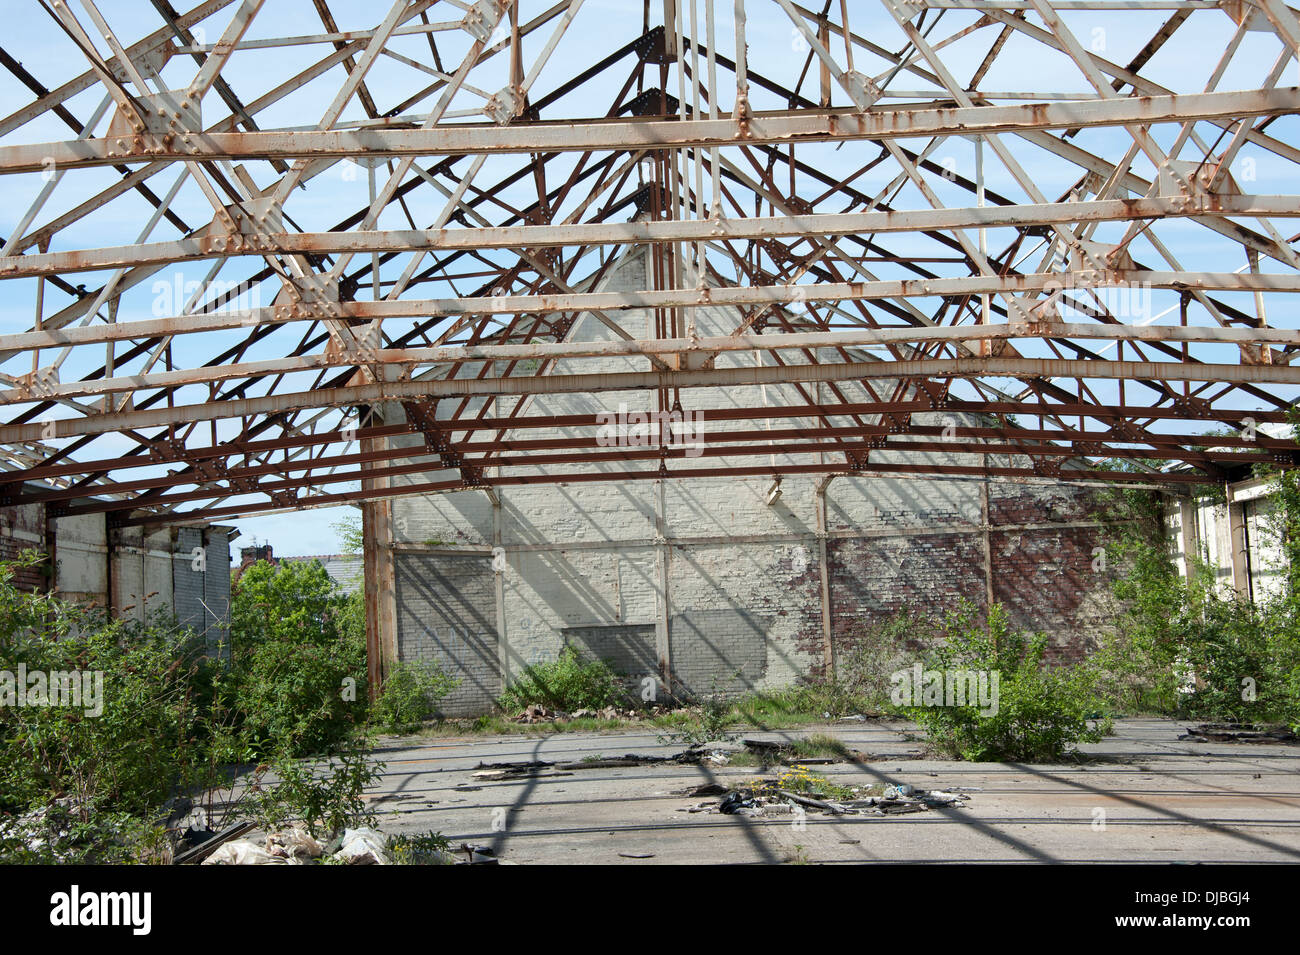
(346, 570)
(133, 572)
(251, 555)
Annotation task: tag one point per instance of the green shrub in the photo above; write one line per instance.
(566, 684)
(326, 799)
(57, 835)
(133, 753)
(1188, 646)
(171, 721)
(708, 721)
(410, 696)
(298, 647)
(87, 783)
(1040, 710)
(429, 848)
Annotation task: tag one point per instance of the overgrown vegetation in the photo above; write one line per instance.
(298, 649)
(566, 684)
(164, 721)
(709, 721)
(410, 696)
(84, 781)
(1034, 712)
(326, 799)
(1190, 646)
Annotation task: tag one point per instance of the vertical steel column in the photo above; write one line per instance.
(825, 571)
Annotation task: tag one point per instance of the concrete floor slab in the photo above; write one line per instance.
(1144, 796)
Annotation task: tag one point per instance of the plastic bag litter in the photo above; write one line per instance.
(293, 843)
(362, 847)
(244, 852)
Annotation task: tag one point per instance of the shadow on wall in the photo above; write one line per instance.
(721, 651)
(712, 650)
(446, 613)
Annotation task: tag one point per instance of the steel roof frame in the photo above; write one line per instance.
(719, 178)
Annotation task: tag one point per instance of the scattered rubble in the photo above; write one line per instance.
(477, 855)
(1238, 733)
(197, 844)
(245, 852)
(770, 797)
(360, 846)
(541, 767)
(295, 846)
(538, 713)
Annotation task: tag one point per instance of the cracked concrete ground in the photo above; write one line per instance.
(1161, 800)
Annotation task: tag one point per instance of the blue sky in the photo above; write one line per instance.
(601, 27)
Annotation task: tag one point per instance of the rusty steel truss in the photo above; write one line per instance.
(937, 202)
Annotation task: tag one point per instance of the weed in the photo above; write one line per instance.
(1041, 710)
(327, 801)
(797, 855)
(410, 696)
(565, 684)
(799, 779)
(429, 848)
(708, 722)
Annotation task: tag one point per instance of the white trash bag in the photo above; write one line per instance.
(362, 847)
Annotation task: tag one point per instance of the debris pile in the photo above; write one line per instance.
(542, 767)
(799, 791)
(1238, 733)
(538, 713)
(360, 846)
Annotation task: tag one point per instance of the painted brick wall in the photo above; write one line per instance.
(446, 613)
(1049, 572)
(188, 583)
(875, 579)
(719, 650)
(629, 649)
(744, 615)
(1045, 579)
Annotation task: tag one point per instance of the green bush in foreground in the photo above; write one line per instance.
(112, 728)
(98, 781)
(298, 647)
(328, 799)
(1040, 710)
(410, 696)
(566, 684)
